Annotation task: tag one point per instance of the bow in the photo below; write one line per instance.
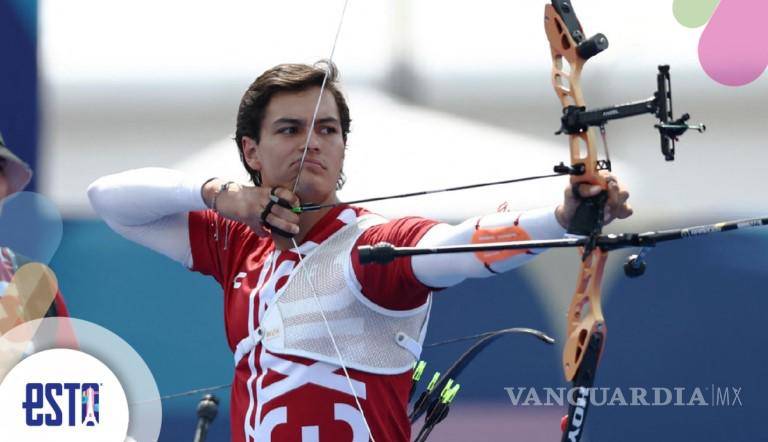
(586, 328)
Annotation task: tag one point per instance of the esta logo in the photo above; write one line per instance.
(61, 404)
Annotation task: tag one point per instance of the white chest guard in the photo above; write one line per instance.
(370, 338)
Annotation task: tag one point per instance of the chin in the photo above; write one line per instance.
(313, 192)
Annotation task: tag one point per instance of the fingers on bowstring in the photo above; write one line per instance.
(287, 198)
(277, 222)
(277, 213)
(282, 213)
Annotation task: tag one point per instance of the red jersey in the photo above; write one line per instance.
(10, 263)
(288, 398)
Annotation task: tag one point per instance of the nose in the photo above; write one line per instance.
(313, 142)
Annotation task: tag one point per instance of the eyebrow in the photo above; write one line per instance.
(301, 121)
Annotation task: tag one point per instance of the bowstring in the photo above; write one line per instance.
(320, 97)
(310, 131)
(333, 341)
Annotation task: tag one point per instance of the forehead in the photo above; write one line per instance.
(301, 104)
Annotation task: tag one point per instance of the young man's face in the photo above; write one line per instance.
(283, 137)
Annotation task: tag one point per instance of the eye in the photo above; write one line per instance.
(327, 130)
(288, 130)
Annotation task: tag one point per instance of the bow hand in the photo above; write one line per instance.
(586, 207)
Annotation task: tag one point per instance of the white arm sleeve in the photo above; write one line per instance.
(446, 270)
(150, 206)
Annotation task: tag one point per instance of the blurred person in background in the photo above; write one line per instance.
(291, 280)
(15, 175)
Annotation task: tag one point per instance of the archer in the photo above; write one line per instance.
(15, 175)
(324, 347)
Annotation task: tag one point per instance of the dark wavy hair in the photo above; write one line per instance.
(285, 78)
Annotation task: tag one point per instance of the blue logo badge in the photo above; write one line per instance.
(63, 408)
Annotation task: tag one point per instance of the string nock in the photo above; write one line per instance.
(418, 371)
(433, 382)
(380, 253)
(449, 392)
(576, 169)
(310, 208)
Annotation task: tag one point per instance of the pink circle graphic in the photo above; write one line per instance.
(732, 48)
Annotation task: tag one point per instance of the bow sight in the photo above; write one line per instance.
(577, 119)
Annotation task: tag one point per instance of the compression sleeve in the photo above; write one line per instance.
(447, 270)
(150, 206)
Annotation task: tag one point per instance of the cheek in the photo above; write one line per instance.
(339, 156)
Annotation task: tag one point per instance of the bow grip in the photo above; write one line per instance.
(588, 218)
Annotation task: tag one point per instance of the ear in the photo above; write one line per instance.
(251, 153)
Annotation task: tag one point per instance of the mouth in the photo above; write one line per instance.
(310, 162)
